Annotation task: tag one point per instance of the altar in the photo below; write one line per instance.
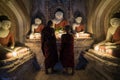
(80, 45)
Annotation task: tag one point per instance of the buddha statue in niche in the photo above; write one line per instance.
(7, 42)
(59, 22)
(8, 49)
(36, 29)
(79, 28)
(6, 37)
(111, 44)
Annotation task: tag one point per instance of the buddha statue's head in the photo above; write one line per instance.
(115, 22)
(78, 19)
(59, 14)
(6, 24)
(38, 21)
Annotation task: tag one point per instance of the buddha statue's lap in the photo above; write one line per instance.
(111, 44)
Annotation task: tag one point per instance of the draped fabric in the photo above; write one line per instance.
(49, 47)
(79, 28)
(116, 35)
(39, 29)
(62, 24)
(67, 50)
(7, 41)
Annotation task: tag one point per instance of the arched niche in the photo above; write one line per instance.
(102, 15)
(58, 4)
(20, 22)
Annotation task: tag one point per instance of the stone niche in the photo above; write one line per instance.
(102, 66)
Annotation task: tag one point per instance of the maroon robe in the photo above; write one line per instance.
(8, 40)
(62, 24)
(39, 29)
(67, 50)
(49, 47)
(116, 36)
(116, 39)
(79, 28)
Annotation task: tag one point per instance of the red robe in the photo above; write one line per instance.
(39, 29)
(116, 36)
(116, 39)
(67, 50)
(49, 47)
(8, 40)
(62, 24)
(79, 28)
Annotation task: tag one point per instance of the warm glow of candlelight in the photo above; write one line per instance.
(14, 54)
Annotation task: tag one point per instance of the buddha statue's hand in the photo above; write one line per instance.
(109, 44)
(12, 47)
(96, 47)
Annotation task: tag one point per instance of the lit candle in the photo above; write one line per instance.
(77, 35)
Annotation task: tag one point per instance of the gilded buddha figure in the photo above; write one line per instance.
(6, 37)
(112, 42)
(36, 29)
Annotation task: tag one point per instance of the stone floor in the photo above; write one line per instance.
(40, 75)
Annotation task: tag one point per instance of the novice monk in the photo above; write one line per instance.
(49, 47)
(67, 50)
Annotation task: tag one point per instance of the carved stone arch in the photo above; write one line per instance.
(102, 15)
(12, 9)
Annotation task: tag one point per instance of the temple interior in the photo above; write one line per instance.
(25, 60)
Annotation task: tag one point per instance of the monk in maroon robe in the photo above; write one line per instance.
(67, 52)
(49, 47)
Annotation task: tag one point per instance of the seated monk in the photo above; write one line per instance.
(111, 44)
(59, 23)
(36, 29)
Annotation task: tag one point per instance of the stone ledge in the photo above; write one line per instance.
(103, 67)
